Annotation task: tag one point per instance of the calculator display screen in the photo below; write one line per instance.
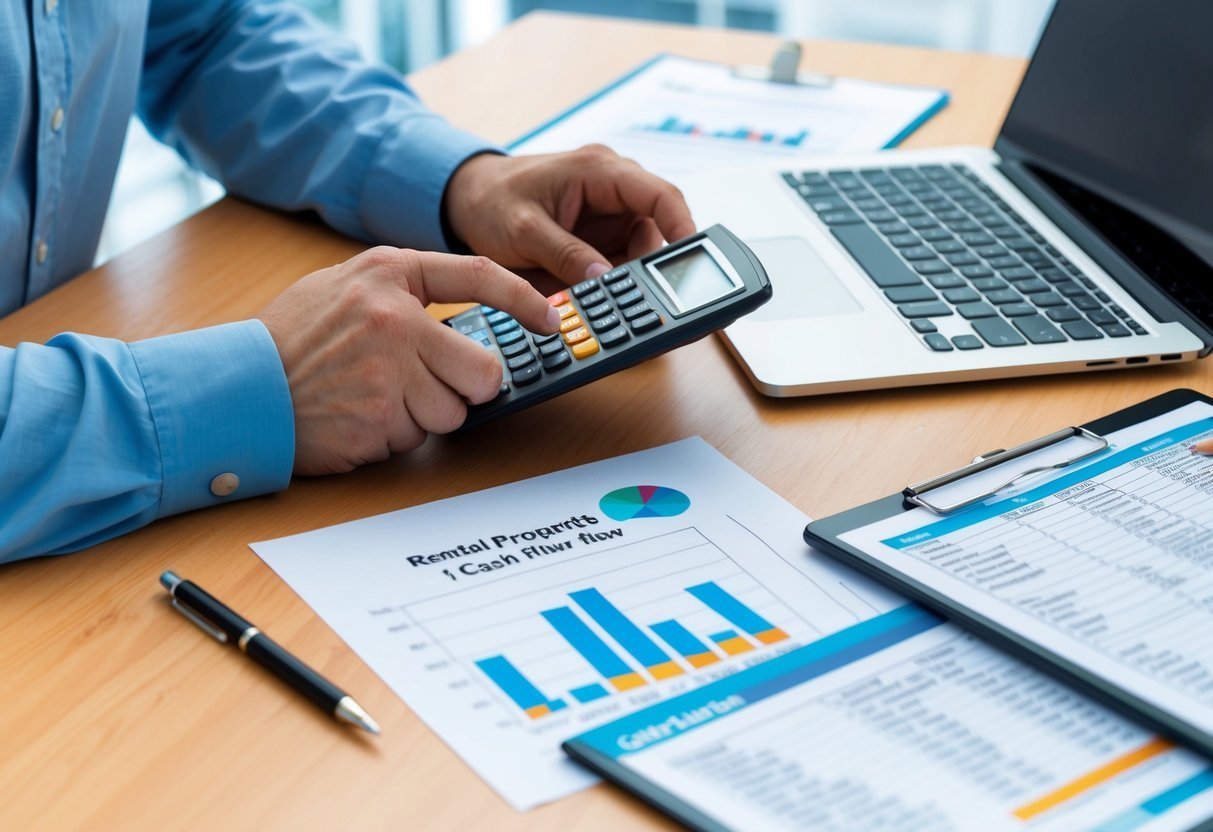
(695, 278)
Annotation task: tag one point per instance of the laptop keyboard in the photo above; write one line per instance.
(939, 242)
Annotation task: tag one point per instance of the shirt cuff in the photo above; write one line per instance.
(401, 200)
(221, 406)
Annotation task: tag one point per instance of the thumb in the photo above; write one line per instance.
(562, 253)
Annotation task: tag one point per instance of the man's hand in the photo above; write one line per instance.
(570, 213)
(370, 372)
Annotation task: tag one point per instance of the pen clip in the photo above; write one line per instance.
(206, 626)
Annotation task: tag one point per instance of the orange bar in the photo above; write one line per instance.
(734, 645)
(771, 636)
(628, 681)
(665, 670)
(1094, 778)
(558, 299)
(537, 711)
(703, 659)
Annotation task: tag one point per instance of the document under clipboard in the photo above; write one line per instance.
(1083, 552)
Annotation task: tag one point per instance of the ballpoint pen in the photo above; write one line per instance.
(220, 622)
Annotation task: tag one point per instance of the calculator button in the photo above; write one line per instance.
(520, 360)
(558, 299)
(636, 310)
(578, 334)
(528, 374)
(569, 324)
(617, 273)
(614, 336)
(510, 337)
(584, 287)
(631, 297)
(514, 349)
(467, 324)
(505, 326)
(540, 340)
(497, 317)
(555, 362)
(599, 310)
(603, 324)
(593, 298)
(646, 322)
(503, 389)
(566, 310)
(551, 348)
(621, 286)
(585, 349)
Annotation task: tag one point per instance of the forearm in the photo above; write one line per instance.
(98, 437)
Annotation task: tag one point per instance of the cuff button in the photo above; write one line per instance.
(225, 485)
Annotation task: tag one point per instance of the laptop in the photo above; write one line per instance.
(1082, 241)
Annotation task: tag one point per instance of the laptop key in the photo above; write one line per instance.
(1085, 302)
(937, 342)
(1017, 310)
(890, 229)
(946, 281)
(1017, 273)
(905, 240)
(997, 332)
(1061, 314)
(972, 311)
(823, 205)
(918, 253)
(986, 284)
(975, 272)
(962, 258)
(1001, 296)
(1047, 299)
(962, 295)
(1116, 330)
(884, 267)
(910, 294)
(1081, 330)
(967, 342)
(840, 217)
(949, 246)
(1101, 316)
(1032, 286)
(934, 266)
(1038, 330)
(923, 325)
(926, 309)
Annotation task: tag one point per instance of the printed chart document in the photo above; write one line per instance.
(675, 114)
(1109, 567)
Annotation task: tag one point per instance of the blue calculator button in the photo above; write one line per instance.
(497, 317)
(510, 337)
(505, 326)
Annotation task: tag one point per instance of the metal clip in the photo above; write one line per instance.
(206, 626)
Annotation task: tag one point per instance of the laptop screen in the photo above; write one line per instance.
(1118, 99)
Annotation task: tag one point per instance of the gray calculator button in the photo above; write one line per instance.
(516, 348)
(598, 311)
(592, 298)
(555, 362)
(551, 348)
(497, 317)
(603, 324)
(612, 337)
(627, 300)
(520, 360)
(620, 286)
(540, 340)
(510, 337)
(636, 310)
(617, 273)
(505, 326)
(527, 375)
(585, 287)
(646, 322)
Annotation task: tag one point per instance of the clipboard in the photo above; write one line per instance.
(826, 535)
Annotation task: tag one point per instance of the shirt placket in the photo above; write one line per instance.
(50, 48)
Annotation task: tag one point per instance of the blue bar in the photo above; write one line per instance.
(511, 680)
(1173, 797)
(620, 628)
(680, 638)
(589, 693)
(556, 705)
(768, 137)
(670, 125)
(723, 635)
(730, 608)
(765, 680)
(741, 133)
(601, 657)
(797, 140)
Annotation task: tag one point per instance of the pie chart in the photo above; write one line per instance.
(644, 501)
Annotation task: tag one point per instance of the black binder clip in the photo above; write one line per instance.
(784, 69)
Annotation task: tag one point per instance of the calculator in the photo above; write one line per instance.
(633, 312)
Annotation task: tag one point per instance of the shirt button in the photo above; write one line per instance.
(225, 485)
(51, 5)
(57, 119)
(41, 251)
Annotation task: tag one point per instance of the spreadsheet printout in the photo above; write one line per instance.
(1109, 566)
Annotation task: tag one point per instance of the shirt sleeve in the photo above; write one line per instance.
(286, 112)
(99, 437)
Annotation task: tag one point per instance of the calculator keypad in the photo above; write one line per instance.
(596, 314)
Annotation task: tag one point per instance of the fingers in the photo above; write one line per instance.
(616, 184)
(563, 254)
(447, 278)
(462, 364)
(643, 238)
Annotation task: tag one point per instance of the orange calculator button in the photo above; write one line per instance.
(577, 335)
(585, 349)
(558, 299)
(566, 310)
(569, 324)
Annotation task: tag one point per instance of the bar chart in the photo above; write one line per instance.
(657, 617)
(677, 126)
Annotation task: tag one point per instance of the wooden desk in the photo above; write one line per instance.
(117, 714)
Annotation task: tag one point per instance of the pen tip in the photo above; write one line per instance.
(350, 711)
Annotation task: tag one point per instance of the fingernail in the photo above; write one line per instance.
(596, 270)
(553, 318)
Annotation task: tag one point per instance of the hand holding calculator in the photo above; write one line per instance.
(634, 312)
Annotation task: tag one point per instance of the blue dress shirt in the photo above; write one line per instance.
(98, 437)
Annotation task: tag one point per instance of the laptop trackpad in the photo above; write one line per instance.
(804, 286)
